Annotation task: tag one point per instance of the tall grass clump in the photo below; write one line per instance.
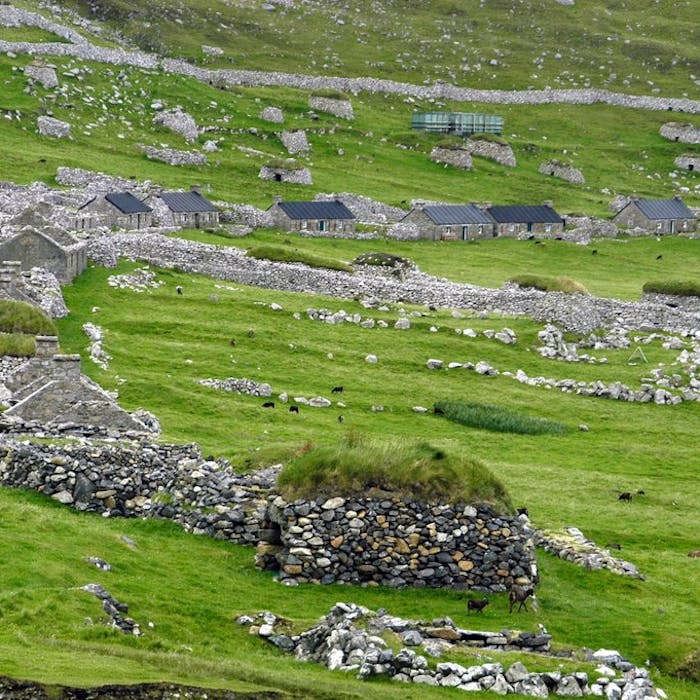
(678, 288)
(294, 255)
(549, 284)
(17, 345)
(362, 467)
(21, 317)
(497, 419)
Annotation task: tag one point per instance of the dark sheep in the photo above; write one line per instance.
(659, 257)
(337, 390)
(232, 342)
(520, 595)
(341, 419)
(594, 251)
(251, 332)
(694, 554)
(613, 545)
(625, 496)
(477, 605)
(269, 404)
(523, 511)
(294, 409)
(178, 289)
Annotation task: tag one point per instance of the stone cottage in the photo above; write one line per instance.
(319, 218)
(120, 209)
(188, 209)
(52, 248)
(525, 220)
(451, 222)
(657, 216)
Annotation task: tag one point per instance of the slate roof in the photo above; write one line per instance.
(446, 214)
(521, 214)
(187, 202)
(127, 203)
(664, 209)
(316, 210)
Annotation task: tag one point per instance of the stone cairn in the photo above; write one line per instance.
(348, 639)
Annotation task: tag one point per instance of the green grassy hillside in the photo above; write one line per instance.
(498, 44)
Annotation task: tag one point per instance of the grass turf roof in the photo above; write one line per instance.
(419, 471)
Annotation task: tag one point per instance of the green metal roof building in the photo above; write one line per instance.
(460, 123)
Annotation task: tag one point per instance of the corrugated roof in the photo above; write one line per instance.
(664, 209)
(448, 214)
(316, 210)
(187, 202)
(127, 203)
(525, 214)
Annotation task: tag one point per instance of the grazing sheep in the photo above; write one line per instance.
(178, 289)
(337, 390)
(251, 332)
(269, 404)
(694, 554)
(594, 251)
(625, 496)
(477, 605)
(232, 342)
(520, 595)
(341, 419)
(659, 257)
(294, 409)
(613, 545)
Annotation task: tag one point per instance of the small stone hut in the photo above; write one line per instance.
(451, 222)
(120, 209)
(320, 217)
(523, 220)
(657, 216)
(189, 209)
(51, 248)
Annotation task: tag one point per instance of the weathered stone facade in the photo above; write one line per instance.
(397, 543)
(456, 230)
(99, 211)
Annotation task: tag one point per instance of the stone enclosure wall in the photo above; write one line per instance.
(397, 543)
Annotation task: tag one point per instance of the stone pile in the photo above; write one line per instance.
(457, 157)
(178, 122)
(272, 114)
(48, 126)
(172, 156)
(501, 153)
(336, 318)
(43, 73)
(397, 543)
(295, 142)
(575, 547)
(563, 171)
(140, 280)
(348, 639)
(556, 348)
(238, 386)
(114, 609)
(338, 108)
(97, 353)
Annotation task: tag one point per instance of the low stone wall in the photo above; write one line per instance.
(684, 133)
(143, 480)
(338, 108)
(348, 639)
(397, 543)
(501, 153)
(562, 171)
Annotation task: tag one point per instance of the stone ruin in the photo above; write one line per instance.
(684, 133)
(272, 114)
(50, 389)
(500, 153)
(295, 142)
(688, 162)
(337, 107)
(563, 171)
(457, 157)
(293, 174)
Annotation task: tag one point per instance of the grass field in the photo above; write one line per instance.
(191, 589)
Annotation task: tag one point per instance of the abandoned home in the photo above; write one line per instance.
(449, 222)
(113, 209)
(519, 220)
(51, 248)
(657, 216)
(186, 209)
(313, 217)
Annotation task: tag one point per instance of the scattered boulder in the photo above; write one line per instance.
(179, 122)
(272, 114)
(48, 126)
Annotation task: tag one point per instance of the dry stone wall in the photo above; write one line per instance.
(457, 157)
(564, 172)
(398, 543)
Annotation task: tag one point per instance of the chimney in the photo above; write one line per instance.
(548, 203)
(277, 199)
(677, 197)
(486, 205)
(197, 189)
(46, 345)
(67, 366)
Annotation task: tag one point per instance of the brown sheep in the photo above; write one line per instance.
(477, 605)
(520, 595)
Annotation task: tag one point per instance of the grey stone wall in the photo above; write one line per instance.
(398, 543)
(685, 133)
(499, 152)
(564, 172)
(457, 157)
(338, 108)
(298, 176)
